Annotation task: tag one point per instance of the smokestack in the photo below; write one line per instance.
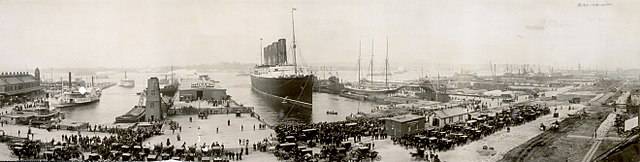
(92, 81)
(69, 80)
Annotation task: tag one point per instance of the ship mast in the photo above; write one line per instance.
(171, 81)
(359, 55)
(293, 27)
(261, 54)
(371, 64)
(386, 66)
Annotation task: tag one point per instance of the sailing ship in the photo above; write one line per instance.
(127, 83)
(277, 77)
(371, 87)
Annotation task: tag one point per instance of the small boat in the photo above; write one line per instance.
(127, 83)
(331, 112)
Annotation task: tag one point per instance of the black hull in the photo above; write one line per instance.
(76, 104)
(298, 88)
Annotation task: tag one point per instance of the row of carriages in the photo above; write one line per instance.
(120, 152)
(452, 135)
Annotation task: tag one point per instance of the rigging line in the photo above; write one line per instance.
(299, 96)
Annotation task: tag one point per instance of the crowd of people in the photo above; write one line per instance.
(71, 146)
(295, 138)
(452, 135)
(25, 103)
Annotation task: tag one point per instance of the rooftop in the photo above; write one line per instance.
(16, 79)
(405, 118)
(456, 111)
(193, 83)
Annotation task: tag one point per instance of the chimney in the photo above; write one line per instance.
(70, 85)
(91, 81)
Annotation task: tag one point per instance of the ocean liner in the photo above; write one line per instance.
(278, 78)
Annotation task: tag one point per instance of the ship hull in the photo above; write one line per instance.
(294, 88)
(127, 83)
(127, 86)
(65, 105)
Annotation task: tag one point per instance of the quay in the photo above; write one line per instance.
(153, 126)
(201, 122)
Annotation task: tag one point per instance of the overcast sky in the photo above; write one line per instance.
(135, 33)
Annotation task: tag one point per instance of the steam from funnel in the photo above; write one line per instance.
(82, 90)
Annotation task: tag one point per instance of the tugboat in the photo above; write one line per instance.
(127, 83)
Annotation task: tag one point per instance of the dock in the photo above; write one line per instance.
(136, 114)
(202, 106)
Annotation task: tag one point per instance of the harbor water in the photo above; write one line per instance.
(117, 100)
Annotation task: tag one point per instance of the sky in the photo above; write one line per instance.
(145, 33)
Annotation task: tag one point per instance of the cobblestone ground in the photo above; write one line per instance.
(204, 131)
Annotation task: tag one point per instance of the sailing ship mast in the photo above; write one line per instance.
(371, 64)
(293, 27)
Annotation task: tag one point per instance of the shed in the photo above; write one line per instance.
(448, 116)
(404, 124)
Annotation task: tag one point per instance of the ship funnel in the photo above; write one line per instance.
(70, 80)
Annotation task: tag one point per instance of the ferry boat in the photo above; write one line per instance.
(79, 96)
(278, 78)
(127, 83)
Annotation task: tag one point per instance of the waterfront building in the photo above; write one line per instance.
(398, 126)
(16, 84)
(200, 89)
(634, 102)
